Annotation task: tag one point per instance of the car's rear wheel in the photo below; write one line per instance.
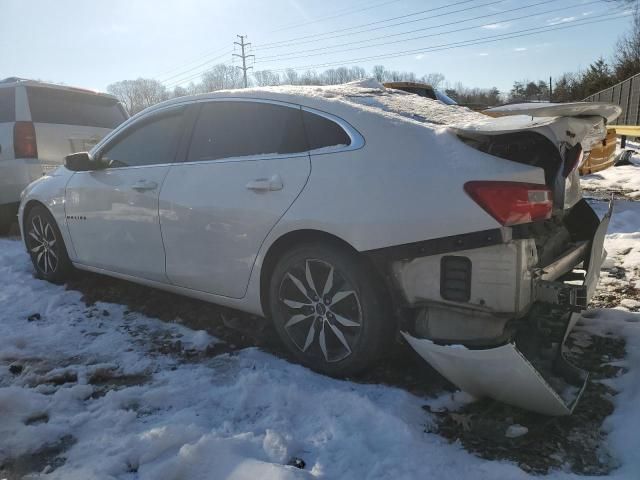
(46, 246)
(329, 309)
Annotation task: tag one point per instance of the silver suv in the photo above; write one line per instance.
(40, 124)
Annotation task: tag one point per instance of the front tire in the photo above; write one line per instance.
(329, 309)
(46, 246)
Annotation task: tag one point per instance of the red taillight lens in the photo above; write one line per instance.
(511, 203)
(24, 140)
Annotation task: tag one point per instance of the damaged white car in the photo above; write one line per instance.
(346, 214)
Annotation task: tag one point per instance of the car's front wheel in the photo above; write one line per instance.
(46, 246)
(329, 309)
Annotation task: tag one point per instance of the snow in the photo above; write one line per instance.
(240, 416)
(360, 96)
(624, 179)
(546, 109)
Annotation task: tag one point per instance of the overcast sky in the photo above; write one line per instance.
(94, 43)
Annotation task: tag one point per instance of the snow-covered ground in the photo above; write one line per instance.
(85, 393)
(624, 179)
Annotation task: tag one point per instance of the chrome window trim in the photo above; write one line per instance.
(357, 140)
(247, 158)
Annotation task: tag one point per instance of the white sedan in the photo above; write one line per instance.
(345, 214)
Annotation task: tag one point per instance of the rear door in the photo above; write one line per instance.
(246, 164)
(67, 121)
(112, 214)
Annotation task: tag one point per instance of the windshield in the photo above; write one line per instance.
(445, 99)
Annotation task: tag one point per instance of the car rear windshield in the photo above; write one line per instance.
(74, 108)
(7, 105)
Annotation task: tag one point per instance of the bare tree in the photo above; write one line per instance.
(627, 57)
(434, 79)
(290, 77)
(220, 77)
(265, 78)
(136, 95)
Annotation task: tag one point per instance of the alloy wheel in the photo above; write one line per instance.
(323, 312)
(43, 245)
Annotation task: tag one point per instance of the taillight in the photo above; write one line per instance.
(511, 203)
(573, 158)
(24, 140)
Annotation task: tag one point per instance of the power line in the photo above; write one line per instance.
(339, 13)
(228, 52)
(453, 45)
(195, 59)
(264, 45)
(324, 50)
(190, 77)
(455, 22)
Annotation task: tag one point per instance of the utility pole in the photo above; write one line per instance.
(243, 56)
(550, 91)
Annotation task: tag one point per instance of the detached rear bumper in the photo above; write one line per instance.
(552, 386)
(505, 374)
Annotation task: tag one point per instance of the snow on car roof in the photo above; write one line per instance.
(364, 95)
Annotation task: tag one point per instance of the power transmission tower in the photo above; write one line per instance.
(243, 56)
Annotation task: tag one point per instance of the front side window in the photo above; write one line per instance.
(50, 105)
(152, 143)
(7, 105)
(228, 129)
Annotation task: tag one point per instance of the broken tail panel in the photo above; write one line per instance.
(529, 369)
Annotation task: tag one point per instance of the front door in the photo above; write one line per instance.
(246, 165)
(112, 214)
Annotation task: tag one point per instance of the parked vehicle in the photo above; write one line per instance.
(344, 214)
(602, 156)
(41, 123)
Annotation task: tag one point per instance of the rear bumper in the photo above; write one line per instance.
(505, 374)
(502, 371)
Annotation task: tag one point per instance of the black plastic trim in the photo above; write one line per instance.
(437, 246)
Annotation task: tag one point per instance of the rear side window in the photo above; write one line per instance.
(240, 129)
(7, 105)
(74, 108)
(152, 143)
(323, 133)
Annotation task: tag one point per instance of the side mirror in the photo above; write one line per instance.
(81, 162)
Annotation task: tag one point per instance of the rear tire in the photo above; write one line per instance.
(329, 309)
(46, 246)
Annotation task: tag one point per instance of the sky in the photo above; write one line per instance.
(94, 43)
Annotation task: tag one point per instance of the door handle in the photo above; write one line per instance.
(144, 185)
(266, 184)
